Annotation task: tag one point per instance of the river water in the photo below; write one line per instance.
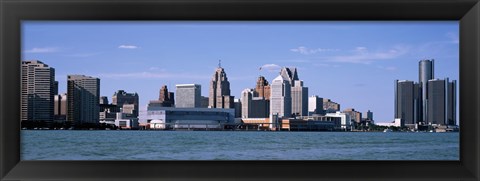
(236, 145)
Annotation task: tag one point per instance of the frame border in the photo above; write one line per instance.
(12, 12)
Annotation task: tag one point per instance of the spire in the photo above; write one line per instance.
(219, 63)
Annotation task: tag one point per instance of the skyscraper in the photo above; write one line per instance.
(425, 73)
(83, 94)
(404, 101)
(188, 95)
(315, 105)
(219, 92)
(127, 102)
(246, 100)
(262, 88)
(330, 107)
(280, 100)
(290, 74)
(60, 107)
(37, 96)
(451, 102)
(436, 110)
(166, 98)
(299, 99)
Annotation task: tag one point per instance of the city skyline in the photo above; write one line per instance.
(355, 71)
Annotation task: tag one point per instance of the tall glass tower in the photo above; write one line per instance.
(425, 73)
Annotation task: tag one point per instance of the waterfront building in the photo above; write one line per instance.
(192, 118)
(104, 100)
(60, 108)
(345, 119)
(405, 101)
(108, 112)
(254, 107)
(262, 89)
(83, 97)
(126, 121)
(425, 73)
(368, 117)
(431, 101)
(188, 95)
(126, 102)
(37, 92)
(246, 99)
(166, 98)
(315, 105)
(441, 102)
(290, 74)
(330, 107)
(204, 102)
(219, 92)
(280, 100)
(299, 99)
(55, 88)
(451, 102)
(237, 103)
(355, 116)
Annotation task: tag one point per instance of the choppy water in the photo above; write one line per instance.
(236, 145)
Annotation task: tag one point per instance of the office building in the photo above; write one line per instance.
(237, 103)
(83, 97)
(126, 102)
(166, 98)
(290, 74)
(345, 119)
(37, 92)
(431, 101)
(315, 105)
(404, 101)
(451, 102)
(436, 101)
(60, 108)
(369, 115)
(188, 95)
(104, 100)
(355, 116)
(330, 107)
(55, 88)
(262, 89)
(425, 73)
(280, 100)
(219, 92)
(254, 107)
(299, 95)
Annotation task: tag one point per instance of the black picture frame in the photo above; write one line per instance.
(12, 12)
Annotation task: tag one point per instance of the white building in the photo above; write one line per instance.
(299, 96)
(126, 121)
(396, 123)
(188, 95)
(280, 100)
(315, 105)
(345, 119)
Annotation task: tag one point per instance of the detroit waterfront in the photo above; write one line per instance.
(176, 92)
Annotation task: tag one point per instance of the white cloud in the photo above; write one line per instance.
(307, 51)
(270, 67)
(42, 50)
(363, 55)
(128, 47)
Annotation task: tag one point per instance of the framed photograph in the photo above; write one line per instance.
(285, 90)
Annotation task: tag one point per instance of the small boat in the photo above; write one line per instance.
(387, 130)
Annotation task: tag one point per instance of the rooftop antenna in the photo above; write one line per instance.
(219, 63)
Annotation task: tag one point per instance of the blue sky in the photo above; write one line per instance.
(352, 63)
